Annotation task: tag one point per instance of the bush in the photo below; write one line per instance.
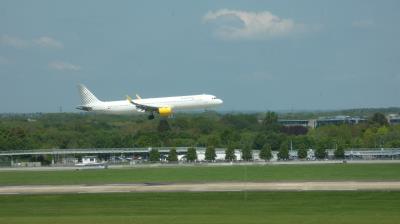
(320, 153)
(210, 154)
(154, 155)
(230, 154)
(302, 153)
(339, 152)
(191, 155)
(266, 153)
(172, 156)
(246, 153)
(283, 153)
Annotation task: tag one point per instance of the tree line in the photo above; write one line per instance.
(208, 129)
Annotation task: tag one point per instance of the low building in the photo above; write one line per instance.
(89, 160)
(26, 164)
(371, 154)
(338, 120)
(314, 123)
(304, 123)
(393, 119)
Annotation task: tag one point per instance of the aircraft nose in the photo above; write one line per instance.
(219, 101)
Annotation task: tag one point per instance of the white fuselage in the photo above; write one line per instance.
(175, 103)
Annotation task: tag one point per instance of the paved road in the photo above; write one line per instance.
(204, 187)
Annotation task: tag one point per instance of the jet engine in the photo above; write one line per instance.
(165, 111)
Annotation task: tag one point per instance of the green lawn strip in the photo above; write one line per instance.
(200, 174)
(221, 207)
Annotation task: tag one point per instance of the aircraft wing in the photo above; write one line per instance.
(143, 107)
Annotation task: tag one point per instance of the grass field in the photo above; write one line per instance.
(221, 207)
(200, 174)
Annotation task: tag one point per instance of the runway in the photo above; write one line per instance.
(205, 187)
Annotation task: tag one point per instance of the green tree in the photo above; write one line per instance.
(302, 153)
(266, 153)
(246, 138)
(154, 155)
(172, 155)
(320, 153)
(259, 141)
(213, 140)
(16, 138)
(378, 118)
(339, 152)
(3, 141)
(369, 138)
(210, 154)
(302, 141)
(147, 140)
(163, 126)
(228, 136)
(382, 134)
(270, 122)
(230, 153)
(191, 155)
(283, 153)
(270, 118)
(181, 123)
(275, 140)
(246, 153)
(240, 121)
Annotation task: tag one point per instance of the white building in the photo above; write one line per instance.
(89, 160)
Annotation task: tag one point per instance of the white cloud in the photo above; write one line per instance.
(13, 41)
(42, 42)
(234, 24)
(48, 42)
(63, 66)
(365, 23)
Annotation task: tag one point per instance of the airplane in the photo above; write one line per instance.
(163, 106)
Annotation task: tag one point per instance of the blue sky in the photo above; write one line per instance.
(255, 55)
